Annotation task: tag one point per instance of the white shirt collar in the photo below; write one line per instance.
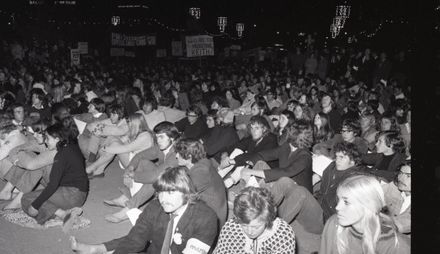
(406, 202)
(97, 115)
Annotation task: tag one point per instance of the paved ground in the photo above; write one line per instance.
(19, 240)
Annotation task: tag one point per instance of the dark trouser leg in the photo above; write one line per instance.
(64, 198)
(143, 195)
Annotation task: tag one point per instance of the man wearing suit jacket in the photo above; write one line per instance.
(175, 222)
(142, 169)
(398, 199)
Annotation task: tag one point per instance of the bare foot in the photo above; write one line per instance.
(86, 248)
(15, 203)
(71, 218)
(118, 217)
(120, 201)
(90, 168)
(6, 192)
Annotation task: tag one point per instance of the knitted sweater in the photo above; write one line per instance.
(232, 239)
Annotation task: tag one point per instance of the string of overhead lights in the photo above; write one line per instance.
(196, 12)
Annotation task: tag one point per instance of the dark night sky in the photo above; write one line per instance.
(287, 16)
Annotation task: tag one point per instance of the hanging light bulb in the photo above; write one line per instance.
(222, 22)
(240, 29)
(195, 12)
(116, 20)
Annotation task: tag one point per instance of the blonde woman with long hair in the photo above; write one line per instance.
(359, 226)
(138, 138)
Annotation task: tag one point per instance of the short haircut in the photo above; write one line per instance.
(259, 120)
(196, 109)
(59, 111)
(212, 113)
(98, 104)
(167, 100)
(252, 203)
(300, 134)
(168, 128)
(348, 149)
(116, 109)
(176, 179)
(40, 126)
(39, 92)
(187, 147)
(149, 100)
(261, 103)
(16, 105)
(222, 102)
(394, 140)
(352, 124)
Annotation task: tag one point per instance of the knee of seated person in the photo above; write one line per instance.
(286, 182)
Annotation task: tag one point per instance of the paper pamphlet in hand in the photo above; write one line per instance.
(236, 175)
(320, 162)
(135, 188)
(195, 246)
(225, 171)
(91, 95)
(252, 182)
(80, 124)
(133, 215)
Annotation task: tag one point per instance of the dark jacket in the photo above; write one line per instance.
(195, 131)
(147, 171)
(198, 221)
(375, 159)
(296, 165)
(250, 147)
(217, 139)
(211, 188)
(331, 178)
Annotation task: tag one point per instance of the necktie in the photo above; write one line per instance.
(167, 240)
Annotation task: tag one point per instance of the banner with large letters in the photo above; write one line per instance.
(131, 41)
(200, 45)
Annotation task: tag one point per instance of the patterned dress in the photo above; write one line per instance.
(280, 240)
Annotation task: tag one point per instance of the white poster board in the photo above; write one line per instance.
(200, 45)
(83, 47)
(75, 57)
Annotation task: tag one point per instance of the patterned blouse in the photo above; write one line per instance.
(279, 240)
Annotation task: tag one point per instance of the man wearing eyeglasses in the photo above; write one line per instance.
(193, 125)
(398, 199)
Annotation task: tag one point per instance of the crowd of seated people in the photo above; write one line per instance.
(223, 154)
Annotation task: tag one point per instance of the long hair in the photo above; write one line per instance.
(323, 133)
(367, 194)
(176, 179)
(136, 125)
(66, 131)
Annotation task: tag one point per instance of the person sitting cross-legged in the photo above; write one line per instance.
(174, 222)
